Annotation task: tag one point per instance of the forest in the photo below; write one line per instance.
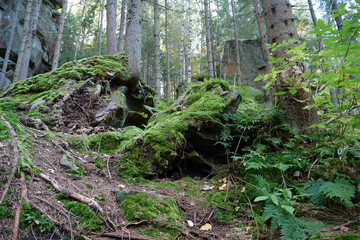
(180, 119)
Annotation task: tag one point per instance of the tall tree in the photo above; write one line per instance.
(9, 44)
(189, 44)
(80, 26)
(182, 44)
(281, 27)
(237, 49)
(24, 68)
(262, 33)
(133, 36)
(26, 32)
(111, 27)
(157, 68)
(101, 26)
(208, 40)
(120, 46)
(59, 36)
(168, 87)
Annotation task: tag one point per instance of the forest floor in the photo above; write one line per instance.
(101, 185)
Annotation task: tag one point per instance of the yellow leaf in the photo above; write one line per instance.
(247, 228)
(206, 227)
(190, 223)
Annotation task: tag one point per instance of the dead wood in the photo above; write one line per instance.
(339, 227)
(68, 192)
(16, 157)
(123, 235)
(19, 208)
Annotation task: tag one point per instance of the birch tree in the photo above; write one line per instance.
(24, 67)
(111, 27)
(208, 40)
(9, 45)
(59, 36)
(189, 44)
(120, 43)
(157, 69)
(133, 36)
(101, 26)
(237, 49)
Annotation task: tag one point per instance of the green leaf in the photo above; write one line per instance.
(261, 198)
(280, 93)
(289, 209)
(274, 199)
(292, 90)
(320, 23)
(287, 194)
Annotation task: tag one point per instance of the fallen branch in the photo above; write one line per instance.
(61, 149)
(335, 228)
(16, 224)
(16, 158)
(91, 202)
(123, 235)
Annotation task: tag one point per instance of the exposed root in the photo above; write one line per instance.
(16, 157)
(92, 203)
(19, 208)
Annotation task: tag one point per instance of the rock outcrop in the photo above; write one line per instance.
(43, 46)
(252, 61)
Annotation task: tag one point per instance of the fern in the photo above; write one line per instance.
(341, 190)
(291, 226)
(312, 187)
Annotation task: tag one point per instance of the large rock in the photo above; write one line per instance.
(251, 59)
(43, 46)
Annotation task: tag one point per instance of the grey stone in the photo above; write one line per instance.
(36, 104)
(68, 164)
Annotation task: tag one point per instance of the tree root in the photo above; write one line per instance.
(92, 203)
(16, 157)
(19, 208)
(123, 235)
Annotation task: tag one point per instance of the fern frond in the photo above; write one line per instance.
(312, 187)
(340, 190)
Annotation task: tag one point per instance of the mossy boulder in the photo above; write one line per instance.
(183, 134)
(80, 92)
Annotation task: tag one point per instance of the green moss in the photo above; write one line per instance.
(89, 220)
(99, 163)
(32, 217)
(347, 237)
(144, 206)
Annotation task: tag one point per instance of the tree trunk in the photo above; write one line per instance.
(26, 33)
(182, 44)
(101, 26)
(189, 44)
(111, 27)
(262, 33)
(168, 87)
(281, 27)
(238, 66)
(59, 36)
(157, 70)
(24, 68)
(133, 37)
(208, 39)
(80, 27)
(338, 18)
(120, 46)
(9, 45)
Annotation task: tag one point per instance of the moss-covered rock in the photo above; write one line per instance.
(193, 120)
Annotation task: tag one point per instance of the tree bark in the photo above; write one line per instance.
(168, 87)
(80, 27)
(120, 46)
(111, 27)
(208, 40)
(157, 68)
(101, 26)
(26, 33)
(262, 33)
(338, 19)
(24, 68)
(238, 66)
(59, 36)
(281, 27)
(182, 45)
(9, 44)
(189, 44)
(133, 36)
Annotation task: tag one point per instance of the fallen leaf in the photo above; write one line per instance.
(243, 190)
(52, 170)
(247, 228)
(190, 223)
(224, 180)
(207, 188)
(222, 187)
(121, 186)
(206, 227)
